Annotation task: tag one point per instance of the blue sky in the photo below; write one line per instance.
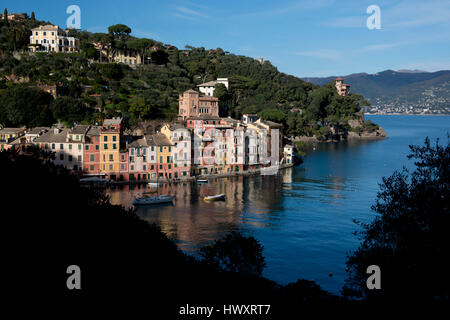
(302, 37)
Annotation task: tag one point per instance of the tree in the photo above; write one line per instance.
(235, 253)
(5, 17)
(21, 105)
(119, 32)
(69, 110)
(273, 115)
(160, 57)
(32, 16)
(140, 45)
(408, 239)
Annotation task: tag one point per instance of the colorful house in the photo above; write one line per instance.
(91, 157)
(110, 135)
(181, 140)
(7, 135)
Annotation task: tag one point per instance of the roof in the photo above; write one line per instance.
(158, 140)
(37, 130)
(204, 117)
(11, 130)
(46, 27)
(208, 98)
(52, 137)
(207, 84)
(191, 91)
(80, 129)
(175, 126)
(93, 131)
(339, 78)
(112, 122)
(139, 142)
(270, 123)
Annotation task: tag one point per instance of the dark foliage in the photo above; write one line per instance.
(408, 240)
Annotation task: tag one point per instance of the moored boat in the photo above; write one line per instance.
(202, 181)
(143, 201)
(217, 197)
(153, 184)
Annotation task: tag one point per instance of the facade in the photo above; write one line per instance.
(91, 156)
(249, 118)
(288, 154)
(191, 104)
(110, 134)
(207, 88)
(180, 137)
(15, 16)
(8, 135)
(341, 87)
(50, 38)
(130, 57)
(164, 157)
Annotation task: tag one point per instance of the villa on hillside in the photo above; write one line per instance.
(191, 104)
(341, 87)
(208, 88)
(50, 38)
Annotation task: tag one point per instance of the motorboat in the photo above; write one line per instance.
(202, 181)
(217, 197)
(94, 180)
(144, 201)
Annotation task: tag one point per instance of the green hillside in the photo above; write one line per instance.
(91, 88)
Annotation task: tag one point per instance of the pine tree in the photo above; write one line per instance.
(32, 16)
(5, 16)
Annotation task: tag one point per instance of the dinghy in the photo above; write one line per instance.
(217, 197)
(144, 201)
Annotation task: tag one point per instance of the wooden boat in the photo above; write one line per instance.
(202, 181)
(217, 197)
(145, 201)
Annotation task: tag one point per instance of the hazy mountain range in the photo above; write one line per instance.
(402, 88)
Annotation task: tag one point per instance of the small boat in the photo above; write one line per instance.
(217, 197)
(269, 171)
(144, 201)
(153, 184)
(94, 180)
(202, 181)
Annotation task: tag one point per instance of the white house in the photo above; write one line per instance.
(207, 88)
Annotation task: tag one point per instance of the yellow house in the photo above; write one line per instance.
(50, 38)
(110, 134)
(7, 135)
(163, 156)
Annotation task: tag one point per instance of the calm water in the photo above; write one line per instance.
(303, 216)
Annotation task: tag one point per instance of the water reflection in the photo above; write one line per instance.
(192, 222)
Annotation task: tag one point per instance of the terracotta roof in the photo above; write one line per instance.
(112, 122)
(93, 131)
(50, 136)
(79, 129)
(339, 78)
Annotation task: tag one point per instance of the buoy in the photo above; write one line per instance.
(330, 274)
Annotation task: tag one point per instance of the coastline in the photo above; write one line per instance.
(250, 172)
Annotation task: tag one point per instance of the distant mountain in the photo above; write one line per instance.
(401, 88)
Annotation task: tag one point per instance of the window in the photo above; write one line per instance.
(79, 146)
(96, 147)
(111, 157)
(79, 158)
(91, 158)
(131, 159)
(91, 167)
(170, 166)
(132, 151)
(87, 147)
(160, 159)
(45, 33)
(70, 147)
(105, 138)
(105, 146)
(170, 148)
(61, 146)
(152, 167)
(70, 136)
(160, 167)
(153, 148)
(144, 151)
(110, 167)
(122, 167)
(144, 167)
(70, 158)
(160, 149)
(114, 146)
(53, 146)
(153, 158)
(132, 167)
(61, 157)
(184, 173)
(168, 159)
(114, 138)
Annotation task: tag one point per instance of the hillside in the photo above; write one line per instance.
(91, 86)
(401, 89)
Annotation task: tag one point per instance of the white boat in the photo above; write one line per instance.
(153, 184)
(270, 171)
(144, 201)
(216, 197)
(202, 181)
